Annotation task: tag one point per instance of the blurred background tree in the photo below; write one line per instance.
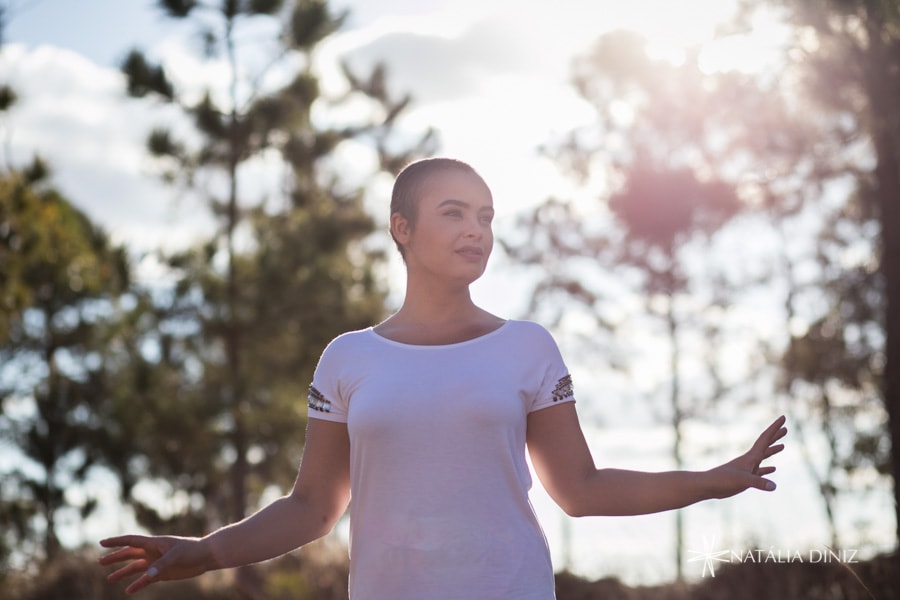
(202, 375)
(60, 283)
(851, 54)
(246, 317)
(654, 142)
(682, 163)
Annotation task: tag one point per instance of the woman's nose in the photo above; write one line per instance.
(474, 231)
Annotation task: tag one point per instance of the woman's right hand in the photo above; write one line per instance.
(156, 558)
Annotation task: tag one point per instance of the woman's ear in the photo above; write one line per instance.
(400, 229)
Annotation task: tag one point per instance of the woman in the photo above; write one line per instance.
(424, 420)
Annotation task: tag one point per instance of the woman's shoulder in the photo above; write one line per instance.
(526, 326)
(530, 330)
(350, 341)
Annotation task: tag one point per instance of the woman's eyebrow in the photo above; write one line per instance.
(463, 204)
(452, 201)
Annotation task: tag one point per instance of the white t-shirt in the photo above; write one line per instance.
(438, 476)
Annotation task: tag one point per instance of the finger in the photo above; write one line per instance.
(780, 433)
(139, 584)
(761, 483)
(773, 450)
(156, 571)
(123, 554)
(777, 430)
(774, 427)
(138, 566)
(125, 540)
(150, 575)
(765, 471)
(777, 423)
(772, 433)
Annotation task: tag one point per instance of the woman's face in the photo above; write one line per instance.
(452, 236)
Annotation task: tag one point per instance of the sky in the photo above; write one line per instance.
(493, 78)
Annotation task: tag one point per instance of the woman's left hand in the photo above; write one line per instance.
(746, 471)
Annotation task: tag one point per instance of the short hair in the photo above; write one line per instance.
(410, 182)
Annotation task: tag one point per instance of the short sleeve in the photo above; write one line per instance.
(325, 400)
(556, 382)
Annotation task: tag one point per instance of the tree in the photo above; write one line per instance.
(656, 193)
(865, 36)
(851, 51)
(7, 93)
(60, 282)
(830, 369)
(252, 306)
(754, 146)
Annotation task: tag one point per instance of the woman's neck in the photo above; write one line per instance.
(437, 319)
(430, 305)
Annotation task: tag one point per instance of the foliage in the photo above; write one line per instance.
(675, 151)
(312, 576)
(235, 338)
(847, 55)
(861, 580)
(190, 392)
(657, 191)
(59, 286)
(316, 572)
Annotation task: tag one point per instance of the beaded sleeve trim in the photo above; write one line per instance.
(564, 389)
(316, 401)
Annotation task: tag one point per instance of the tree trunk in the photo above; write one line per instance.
(239, 470)
(888, 174)
(882, 85)
(677, 420)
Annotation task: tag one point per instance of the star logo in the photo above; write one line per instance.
(709, 557)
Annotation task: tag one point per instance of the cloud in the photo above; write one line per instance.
(76, 115)
(471, 77)
(440, 66)
(494, 83)
(485, 81)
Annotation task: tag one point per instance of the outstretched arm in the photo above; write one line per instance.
(318, 499)
(566, 468)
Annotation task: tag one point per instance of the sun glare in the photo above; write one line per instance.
(752, 52)
(672, 29)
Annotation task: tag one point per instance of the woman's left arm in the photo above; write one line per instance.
(566, 468)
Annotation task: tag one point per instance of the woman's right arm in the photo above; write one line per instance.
(318, 499)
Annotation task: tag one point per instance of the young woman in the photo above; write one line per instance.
(424, 420)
